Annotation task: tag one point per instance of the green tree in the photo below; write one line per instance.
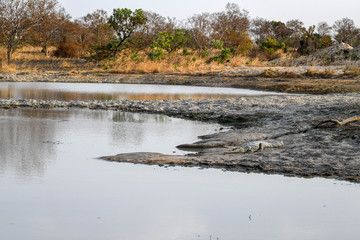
(271, 46)
(171, 42)
(125, 22)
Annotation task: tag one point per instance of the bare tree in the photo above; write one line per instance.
(346, 31)
(231, 26)
(17, 18)
(199, 27)
(260, 29)
(324, 29)
(47, 33)
(96, 23)
(147, 32)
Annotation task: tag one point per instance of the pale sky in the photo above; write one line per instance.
(309, 11)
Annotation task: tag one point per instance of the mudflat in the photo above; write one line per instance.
(314, 144)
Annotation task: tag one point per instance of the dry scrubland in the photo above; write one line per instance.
(307, 74)
(31, 59)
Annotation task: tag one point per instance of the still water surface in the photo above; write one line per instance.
(94, 91)
(53, 187)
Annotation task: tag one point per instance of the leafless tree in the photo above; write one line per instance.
(324, 29)
(346, 31)
(18, 17)
(199, 27)
(231, 26)
(98, 29)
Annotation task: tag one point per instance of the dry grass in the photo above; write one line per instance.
(31, 59)
(352, 71)
(175, 63)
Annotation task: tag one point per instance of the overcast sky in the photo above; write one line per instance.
(309, 11)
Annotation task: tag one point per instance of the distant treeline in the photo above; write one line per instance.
(101, 36)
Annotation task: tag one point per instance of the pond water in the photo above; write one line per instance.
(52, 186)
(94, 91)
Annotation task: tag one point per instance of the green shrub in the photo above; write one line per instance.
(222, 57)
(135, 57)
(271, 46)
(156, 54)
(217, 44)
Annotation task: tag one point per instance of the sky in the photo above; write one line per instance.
(311, 12)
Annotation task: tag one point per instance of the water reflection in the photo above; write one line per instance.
(26, 143)
(83, 91)
(30, 140)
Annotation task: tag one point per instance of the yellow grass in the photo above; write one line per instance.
(31, 59)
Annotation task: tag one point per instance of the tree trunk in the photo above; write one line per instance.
(115, 53)
(45, 51)
(9, 55)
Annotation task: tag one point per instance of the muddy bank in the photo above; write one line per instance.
(310, 149)
(316, 80)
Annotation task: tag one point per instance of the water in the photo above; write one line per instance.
(93, 91)
(53, 187)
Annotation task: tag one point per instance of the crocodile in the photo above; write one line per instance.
(255, 146)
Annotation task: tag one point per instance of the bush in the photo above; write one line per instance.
(135, 57)
(222, 57)
(101, 52)
(156, 54)
(271, 46)
(68, 50)
(217, 44)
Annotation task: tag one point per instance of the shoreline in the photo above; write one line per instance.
(328, 151)
(276, 79)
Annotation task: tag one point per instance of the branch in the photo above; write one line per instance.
(339, 123)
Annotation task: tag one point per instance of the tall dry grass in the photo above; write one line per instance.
(31, 59)
(175, 63)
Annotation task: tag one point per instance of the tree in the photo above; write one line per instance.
(97, 26)
(17, 18)
(296, 30)
(231, 26)
(199, 27)
(125, 22)
(324, 29)
(144, 36)
(346, 31)
(171, 42)
(260, 30)
(47, 33)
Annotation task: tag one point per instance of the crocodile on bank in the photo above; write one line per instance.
(255, 146)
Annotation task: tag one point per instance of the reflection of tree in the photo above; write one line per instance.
(133, 127)
(129, 117)
(83, 95)
(26, 144)
(138, 117)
